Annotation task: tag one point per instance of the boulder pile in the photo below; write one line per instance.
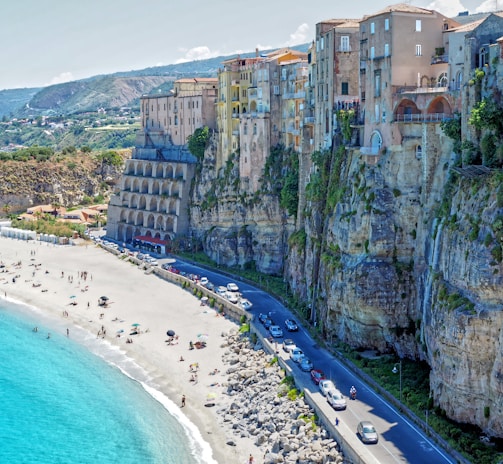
(264, 406)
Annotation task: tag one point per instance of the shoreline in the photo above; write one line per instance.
(65, 283)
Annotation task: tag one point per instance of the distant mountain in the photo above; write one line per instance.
(106, 91)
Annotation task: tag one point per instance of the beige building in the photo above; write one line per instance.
(403, 72)
(152, 203)
(335, 75)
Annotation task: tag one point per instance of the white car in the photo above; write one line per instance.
(232, 287)
(275, 331)
(204, 281)
(336, 400)
(288, 345)
(232, 297)
(326, 386)
(245, 304)
(296, 354)
(221, 291)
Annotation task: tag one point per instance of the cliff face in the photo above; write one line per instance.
(406, 259)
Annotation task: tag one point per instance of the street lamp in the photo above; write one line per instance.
(395, 370)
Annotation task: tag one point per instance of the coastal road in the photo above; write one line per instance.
(400, 441)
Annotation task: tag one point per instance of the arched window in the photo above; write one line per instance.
(459, 80)
(442, 80)
(254, 129)
(483, 57)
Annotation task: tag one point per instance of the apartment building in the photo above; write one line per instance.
(335, 75)
(403, 73)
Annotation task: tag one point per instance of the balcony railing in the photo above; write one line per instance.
(416, 90)
(309, 120)
(429, 117)
(438, 59)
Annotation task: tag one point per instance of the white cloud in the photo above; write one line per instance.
(197, 53)
(300, 36)
(488, 5)
(61, 78)
(448, 8)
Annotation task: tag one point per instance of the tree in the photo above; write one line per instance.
(198, 141)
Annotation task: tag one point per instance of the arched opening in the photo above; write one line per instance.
(407, 110)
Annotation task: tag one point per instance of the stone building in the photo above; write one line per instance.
(152, 204)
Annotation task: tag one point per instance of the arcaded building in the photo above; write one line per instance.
(152, 204)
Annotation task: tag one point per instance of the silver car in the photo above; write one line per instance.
(367, 432)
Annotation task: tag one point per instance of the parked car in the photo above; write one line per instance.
(221, 290)
(336, 400)
(367, 432)
(288, 345)
(210, 287)
(232, 297)
(306, 364)
(295, 354)
(245, 304)
(275, 331)
(262, 317)
(291, 325)
(317, 376)
(326, 386)
(232, 287)
(204, 281)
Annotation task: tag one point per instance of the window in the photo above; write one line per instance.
(419, 152)
(377, 84)
(372, 28)
(418, 50)
(442, 80)
(345, 88)
(418, 25)
(372, 52)
(377, 112)
(386, 24)
(345, 43)
(245, 129)
(254, 129)
(386, 49)
(322, 45)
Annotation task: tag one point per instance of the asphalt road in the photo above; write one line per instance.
(399, 440)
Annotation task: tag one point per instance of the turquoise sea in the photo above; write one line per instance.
(73, 400)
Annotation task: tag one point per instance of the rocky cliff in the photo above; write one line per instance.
(402, 255)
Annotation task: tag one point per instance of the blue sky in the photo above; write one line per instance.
(53, 41)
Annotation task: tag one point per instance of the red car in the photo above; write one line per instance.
(317, 376)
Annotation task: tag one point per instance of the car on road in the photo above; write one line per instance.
(367, 432)
(262, 317)
(336, 400)
(288, 345)
(295, 354)
(267, 322)
(306, 364)
(325, 386)
(204, 281)
(275, 331)
(245, 304)
(232, 287)
(317, 375)
(210, 287)
(291, 325)
(232, 297)
(221, 290)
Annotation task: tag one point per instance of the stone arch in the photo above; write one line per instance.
(159, 223)
(143, 186)
(136, 185)
(142, 202)
(127, 184)
(405, 109)
(128, 237)
(164, 188)
(172, 207)
(175, 189)
(129, 168)
(170, 224)
(439, 105)
(375, 142)
(139, 219)
(425, 81)
(155, 190)
(150, 221)
(123, 215)
(179, 172)
(131, 217)
(162, 206)
(147, 170)
(152, 204)
(158, 170)
(169, 172)
(134, 201)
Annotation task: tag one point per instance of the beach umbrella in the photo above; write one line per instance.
(120, 331)
(72, 296)
(211, 399)
(170, 333)
(202, 337)
(136, 324)
(104, 298)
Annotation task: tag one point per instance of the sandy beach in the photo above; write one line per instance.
(66, 283)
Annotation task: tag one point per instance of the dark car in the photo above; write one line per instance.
(317, 375)
(268, 322)
(291, 325)
(262, 317)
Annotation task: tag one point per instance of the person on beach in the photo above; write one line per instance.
(183, 401)
(250, 460)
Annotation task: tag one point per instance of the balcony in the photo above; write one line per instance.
(309, 120)
(439, 59)
(420, 118)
